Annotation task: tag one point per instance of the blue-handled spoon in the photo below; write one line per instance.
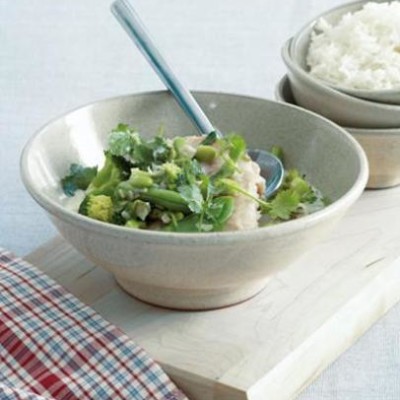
(271, 167)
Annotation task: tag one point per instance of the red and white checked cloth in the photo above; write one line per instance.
(52, 346)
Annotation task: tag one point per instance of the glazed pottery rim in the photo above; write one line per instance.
(344, 90)
(209, 238)
(279, 95)
(374, 131)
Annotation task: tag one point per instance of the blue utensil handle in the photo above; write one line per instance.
(130, 21)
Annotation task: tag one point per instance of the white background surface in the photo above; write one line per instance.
(57, 55)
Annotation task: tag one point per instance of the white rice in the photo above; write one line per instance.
(362, 51)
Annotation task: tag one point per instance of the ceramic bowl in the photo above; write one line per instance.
(195, 270)
(382, 146)
(300, 44)
(339, 107)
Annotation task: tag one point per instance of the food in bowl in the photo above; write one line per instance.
(185, 184)
(196, 270)
(361, 50)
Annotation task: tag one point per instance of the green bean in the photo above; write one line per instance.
(168, 199)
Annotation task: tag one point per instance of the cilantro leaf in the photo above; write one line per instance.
(191, 172)
(301, 187)
(141, 155)
(284, 204)
(194, 198)
(79, 177)
(122, 140)
(162, 150)
(125, 142)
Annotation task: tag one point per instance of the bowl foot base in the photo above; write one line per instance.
(191, 299)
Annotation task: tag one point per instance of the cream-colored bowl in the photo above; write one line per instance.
(301, 41)
(339, 107)
(195, 270)
(382, 146)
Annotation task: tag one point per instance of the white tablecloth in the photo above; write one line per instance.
(57, 55)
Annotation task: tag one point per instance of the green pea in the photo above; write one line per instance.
(205, 153)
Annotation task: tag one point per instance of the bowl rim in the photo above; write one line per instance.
(292, 65)
(349, 91)
(357, 131)
(278, 92)
(210, 238)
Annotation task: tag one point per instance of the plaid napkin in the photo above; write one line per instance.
(52, 346)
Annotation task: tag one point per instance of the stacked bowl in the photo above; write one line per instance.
(372, 116)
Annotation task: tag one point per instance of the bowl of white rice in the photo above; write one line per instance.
(342, 108)
(354, 48)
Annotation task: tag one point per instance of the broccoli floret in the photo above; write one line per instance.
(171, 171)
(108, 177)
(98, 207)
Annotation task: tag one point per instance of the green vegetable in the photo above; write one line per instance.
(237, 147)
(108, 178)
(213, 218)
(98, 207)
(192, 171)
(179, 185)
(284, 204)
(140, 179)
(171, 171)
(137, 209)
(127, 143)
(220, 210)
(210, 138)
(79, 177)
(122, 140)
(295, 198)
(277, 152)
(164, 198)
(229, 186)
(205, 153)
(193, 197)
(134, 224)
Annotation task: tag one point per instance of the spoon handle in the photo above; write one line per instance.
(130, 21)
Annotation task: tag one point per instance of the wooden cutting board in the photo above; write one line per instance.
(272, 346)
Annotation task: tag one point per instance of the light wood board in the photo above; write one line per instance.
(272, 346)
